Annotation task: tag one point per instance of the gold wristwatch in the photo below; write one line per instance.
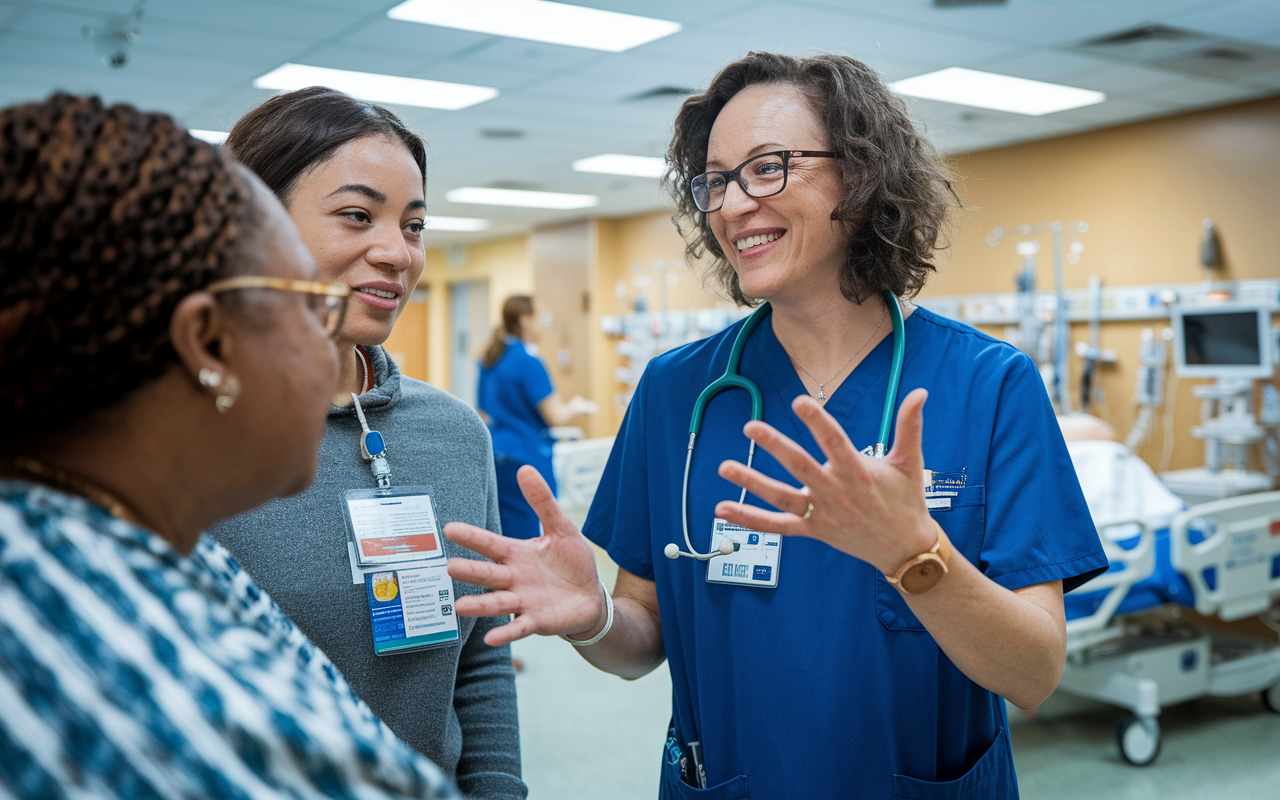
(921, 573)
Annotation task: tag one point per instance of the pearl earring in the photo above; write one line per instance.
(210, 378)
(224, 403)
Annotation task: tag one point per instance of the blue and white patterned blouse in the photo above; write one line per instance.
(129, 671)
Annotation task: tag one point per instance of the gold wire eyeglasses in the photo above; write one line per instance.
(328, 301)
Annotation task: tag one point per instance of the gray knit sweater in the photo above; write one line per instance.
(454, 704)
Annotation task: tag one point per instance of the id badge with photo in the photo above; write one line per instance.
(411, 608)
(754, 563)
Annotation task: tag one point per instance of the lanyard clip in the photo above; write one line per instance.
(373, 449)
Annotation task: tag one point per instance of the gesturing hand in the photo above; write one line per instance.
(872, 509)
(548, 583)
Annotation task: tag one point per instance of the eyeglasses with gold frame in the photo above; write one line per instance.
(328, 301)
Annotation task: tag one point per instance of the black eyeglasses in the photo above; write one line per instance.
(760, 176)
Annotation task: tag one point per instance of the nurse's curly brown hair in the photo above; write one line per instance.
(108, 218)
(897, 188)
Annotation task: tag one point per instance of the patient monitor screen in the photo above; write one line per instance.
(1222, 339)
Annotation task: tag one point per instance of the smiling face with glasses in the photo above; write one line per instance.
(771, 213)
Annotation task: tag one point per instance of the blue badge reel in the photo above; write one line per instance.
(396, 550)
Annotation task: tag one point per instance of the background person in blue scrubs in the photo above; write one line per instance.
(835, 683)
(518, 403)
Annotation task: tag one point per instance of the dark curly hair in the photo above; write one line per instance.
(291, 133)
(108, 218)
(897, 188)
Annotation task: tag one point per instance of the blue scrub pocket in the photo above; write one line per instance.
(675, 789)
(965, 524)
(990, 778)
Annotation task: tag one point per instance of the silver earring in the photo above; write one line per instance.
(210, 378)
(224, 403)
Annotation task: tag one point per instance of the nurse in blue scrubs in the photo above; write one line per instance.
(518, 403)
(913, 591)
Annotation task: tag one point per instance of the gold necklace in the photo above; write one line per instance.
(65, 480)
(822, 393)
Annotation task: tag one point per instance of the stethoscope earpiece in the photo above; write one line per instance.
(727, 547)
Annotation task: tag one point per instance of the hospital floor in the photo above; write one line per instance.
(590, 736)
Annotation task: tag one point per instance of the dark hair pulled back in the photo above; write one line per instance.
(513, 308)
(108, 218)
(897, 189)
(291, 133)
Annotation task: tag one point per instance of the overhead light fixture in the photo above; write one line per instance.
(969, 87)
(540, 21)
(456, 224)
(518, 197)
(618, 164)
(378, 88)
(212, 137)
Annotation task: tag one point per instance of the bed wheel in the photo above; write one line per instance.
(1139, 740)
(1271, 698)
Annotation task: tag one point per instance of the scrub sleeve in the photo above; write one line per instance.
(828, 686)
(509, 392)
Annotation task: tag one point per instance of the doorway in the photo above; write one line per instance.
(469, 331)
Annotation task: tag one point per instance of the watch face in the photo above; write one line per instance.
(924, 576)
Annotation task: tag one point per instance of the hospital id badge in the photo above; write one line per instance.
(754, 563)
(411, 608)
(392, 524)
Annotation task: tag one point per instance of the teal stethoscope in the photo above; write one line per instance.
(731, 379)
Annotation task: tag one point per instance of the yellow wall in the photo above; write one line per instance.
(1144, 190)
(505, 263)
(624, 249)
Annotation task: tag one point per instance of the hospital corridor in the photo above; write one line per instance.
(640, 399)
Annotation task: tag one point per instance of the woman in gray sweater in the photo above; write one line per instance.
(352, 178)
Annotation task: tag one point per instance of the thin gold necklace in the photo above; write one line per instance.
(822, 393)
(65, 480)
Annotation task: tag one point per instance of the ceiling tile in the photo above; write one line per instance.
(383, 61)
(1113, 77)
(811, 30)
(1017, 21)
(1245, 19)
(1190, 93)
(380, 32)
(286, 21)
(1040, 64)
(536, 57)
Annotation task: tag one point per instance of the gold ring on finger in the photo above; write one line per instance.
(807, 513)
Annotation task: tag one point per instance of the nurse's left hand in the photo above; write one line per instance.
(872, 509)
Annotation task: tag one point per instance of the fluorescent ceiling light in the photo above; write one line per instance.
(969, 87)
(212, 137)
(617, 164)
(539, 20)
(378, 88)
(515, 197)
(456, 224)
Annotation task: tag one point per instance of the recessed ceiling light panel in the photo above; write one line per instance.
(540, 21)
(212, 137)
(968, 87)
(518, 197)
(618, 164)
(378, 88)
(456, 224)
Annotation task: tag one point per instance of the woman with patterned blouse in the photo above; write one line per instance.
(165, 363)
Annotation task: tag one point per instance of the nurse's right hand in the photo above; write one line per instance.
(549, 584)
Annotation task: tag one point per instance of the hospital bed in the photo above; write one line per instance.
(1127, 643)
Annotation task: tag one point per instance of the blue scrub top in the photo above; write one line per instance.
(509, 392)
(828, 685)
